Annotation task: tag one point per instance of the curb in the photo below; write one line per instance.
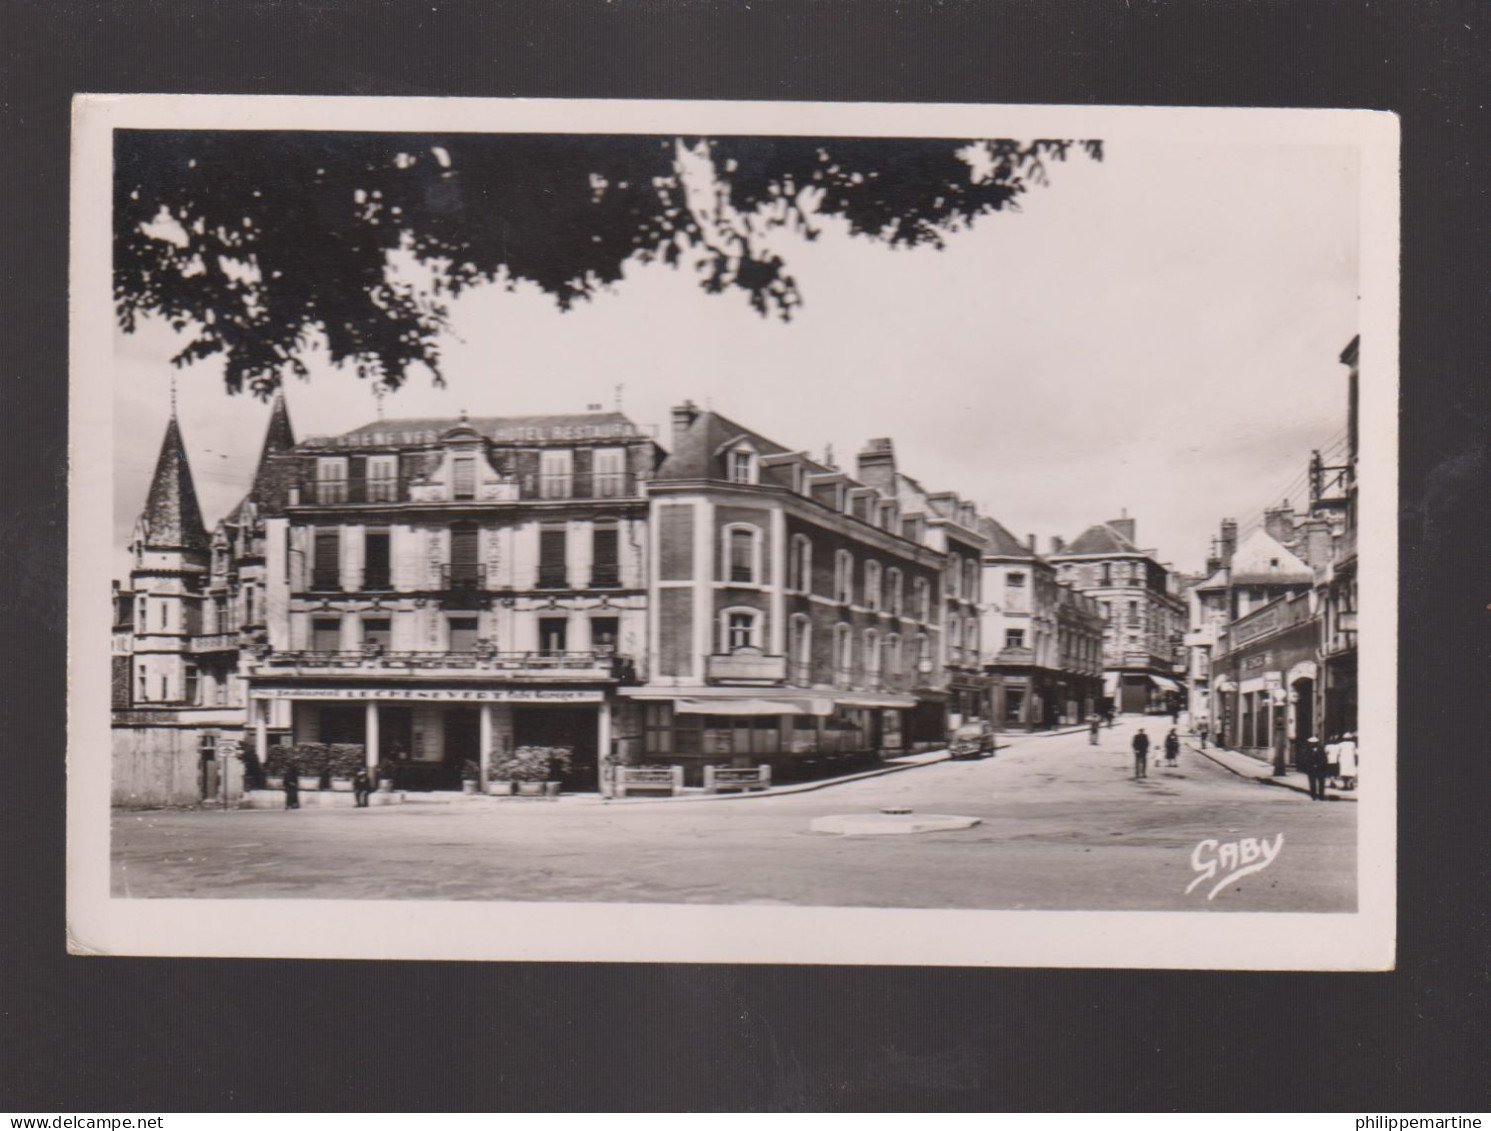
(778, 791)
(1335, 794)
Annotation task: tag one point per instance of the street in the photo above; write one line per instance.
(1063, 827)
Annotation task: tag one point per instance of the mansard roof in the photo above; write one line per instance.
(172, 519)
(1000, 543)
(1100, 538)
(699, 451)
(1263, 560)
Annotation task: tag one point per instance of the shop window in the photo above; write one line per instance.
(657, 728)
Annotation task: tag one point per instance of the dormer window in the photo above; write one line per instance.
(463, 477)
(740, 465)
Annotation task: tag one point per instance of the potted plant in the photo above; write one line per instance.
(277, 763)
(310, 764)
(470, 775)
(534, 771)
(343, 760)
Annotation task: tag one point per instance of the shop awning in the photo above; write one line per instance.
(1110, 684)
(1163, 683)
(753, 706)
(890, 702)
(1226, 687)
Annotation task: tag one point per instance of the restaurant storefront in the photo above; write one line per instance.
(1266, 685)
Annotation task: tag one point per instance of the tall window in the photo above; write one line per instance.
(844, 577)
(610, 472)
(923, 590)
(383, 479)
(375, 569)
(742, 465)
(553, 633)
(465, 565)
(1105, 574)
(740, 554)
(463, 477)
(800, 649)
(970, 638)
(954, 573)
(954, 639)
(895, 591)
(462, 634)
(872, 653)
(872, 586)
(326, 634)
(326, 569)
(742, 629)
(556, 474)
(552, 567)
(377, 632)
(193, 685)
(331, 479)
(970, 579)
(143, 682)
(800, 565)
(843, 654)
(923, 652)
(893, 657)
(605, 568)
(604, 633)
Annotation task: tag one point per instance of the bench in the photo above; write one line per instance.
(664, 780)
(720, 779)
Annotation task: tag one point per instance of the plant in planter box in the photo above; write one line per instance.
(534, 766)
(310, 763)
(387, 768)
(343, 760)
(277, 763)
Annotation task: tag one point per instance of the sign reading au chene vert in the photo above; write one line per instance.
(435, 694)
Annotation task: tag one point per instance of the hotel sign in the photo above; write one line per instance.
(434, 694)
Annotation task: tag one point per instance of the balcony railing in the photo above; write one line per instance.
(310, 491)
(555, 665)
(214, 642)
(1015, 655)
(463, 576)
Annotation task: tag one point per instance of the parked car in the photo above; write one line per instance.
(971, 740)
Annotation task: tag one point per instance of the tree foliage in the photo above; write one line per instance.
(255, 243)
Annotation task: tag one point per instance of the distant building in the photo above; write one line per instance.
(1144, 617)
(1043, 641)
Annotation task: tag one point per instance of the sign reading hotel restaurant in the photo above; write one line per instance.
(434, 694)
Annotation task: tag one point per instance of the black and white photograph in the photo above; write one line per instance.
(920, 535)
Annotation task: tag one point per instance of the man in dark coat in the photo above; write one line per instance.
(1312, 762)
(362, 785)
(1141, 755)
(292, 789)
(1172, 747)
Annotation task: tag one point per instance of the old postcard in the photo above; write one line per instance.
(733, 532)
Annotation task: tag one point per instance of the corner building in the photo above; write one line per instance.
(801, 615)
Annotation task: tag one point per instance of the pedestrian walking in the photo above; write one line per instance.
(1172, 747)
(1093, 723)
(1141, 754)
(292, 789)
(1312, 761)
(1108, 714)
(1201, 729)
(362, 786)
(1347, 758)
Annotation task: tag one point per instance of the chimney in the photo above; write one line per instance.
(1315, 543)
(876, 466)
(1279, 523)
(1030, 541)
(1124, 525)
(684, 416)
(1213, 559)
(1229, 540)
(1058, 544)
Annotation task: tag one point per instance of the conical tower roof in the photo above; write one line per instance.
(172, 520)
(279, 437)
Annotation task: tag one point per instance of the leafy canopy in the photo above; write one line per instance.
(254, 243)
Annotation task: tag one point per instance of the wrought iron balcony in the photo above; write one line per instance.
(463, 576)
(214, 642)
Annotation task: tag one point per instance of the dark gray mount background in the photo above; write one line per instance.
(144, 1035)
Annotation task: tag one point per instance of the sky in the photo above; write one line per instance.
(1156, 334)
